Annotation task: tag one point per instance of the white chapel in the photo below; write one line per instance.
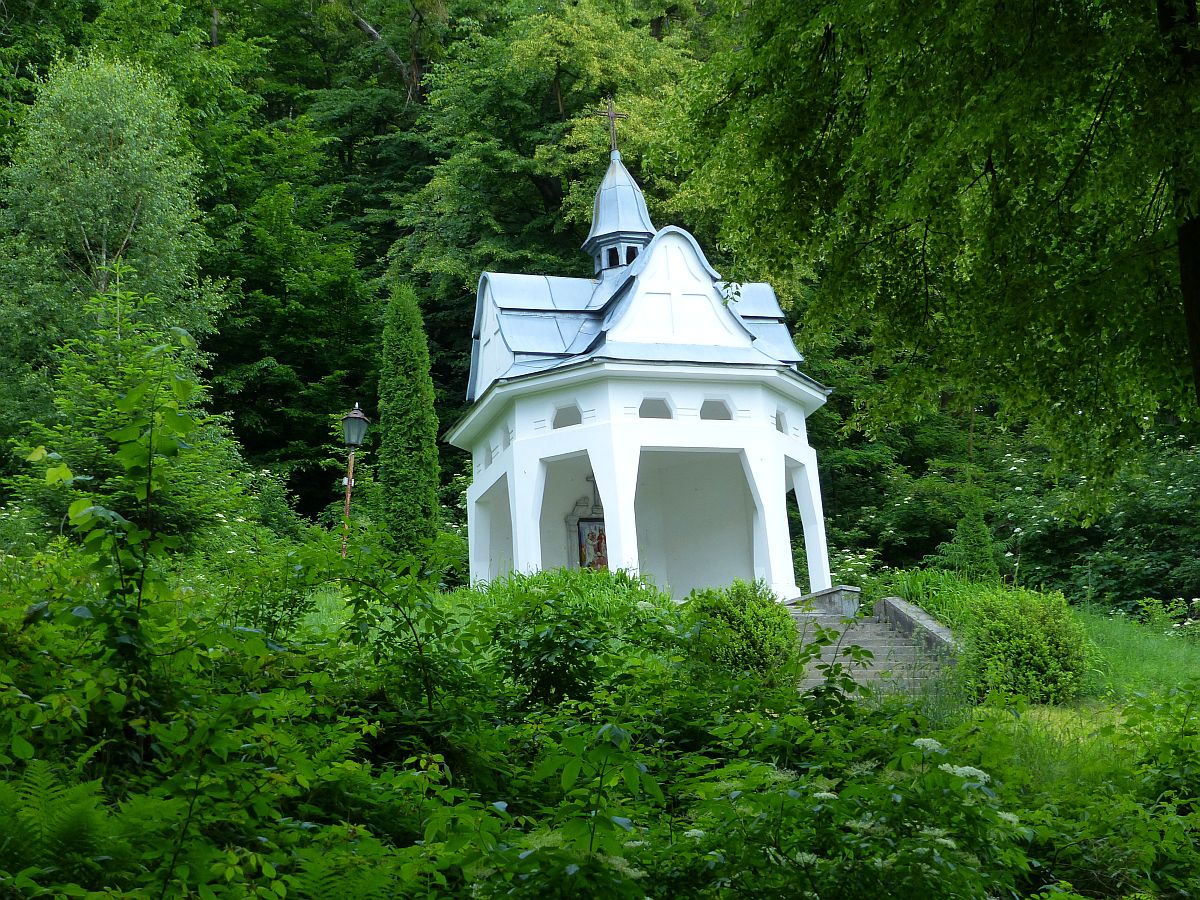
(650, 418)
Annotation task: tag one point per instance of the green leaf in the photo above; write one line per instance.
(132, 398)
(127, 433)
(58, 473)
(182, 387)
(21, 748)
(570, 773)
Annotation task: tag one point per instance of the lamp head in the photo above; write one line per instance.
(354, 427)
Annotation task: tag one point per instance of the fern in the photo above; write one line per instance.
(63, 830)
(369, 872)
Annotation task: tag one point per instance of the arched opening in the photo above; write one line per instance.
(566, 416)
(695, 519)
(630, 254)
(495, 539)
(569, 496)
(715, 410)
(613, 256)
(655, 408)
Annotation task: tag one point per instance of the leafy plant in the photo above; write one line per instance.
(60, 835)
(971, 552)
(744, 629)
(1016, 641)
(565, 632)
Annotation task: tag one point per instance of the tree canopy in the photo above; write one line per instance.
(1002, 196)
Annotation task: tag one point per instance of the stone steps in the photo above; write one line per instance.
(893, 660)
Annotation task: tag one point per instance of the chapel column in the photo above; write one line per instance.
(615, 467)
(527, 484)
(812, 515)
(772, 545)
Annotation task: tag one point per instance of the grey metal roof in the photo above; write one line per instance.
(548, 322)
(620, 207)
(756, 299)
(542, 292)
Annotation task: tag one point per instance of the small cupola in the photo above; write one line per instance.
(621, 225)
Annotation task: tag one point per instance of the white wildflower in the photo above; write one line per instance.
(825, 795)
(694, 833)
(928, 745)
(966, 772)
(1009, 818)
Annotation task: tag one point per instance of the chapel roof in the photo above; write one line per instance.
(620, 208)
(531, 324)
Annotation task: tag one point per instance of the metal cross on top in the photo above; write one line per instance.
(612, 115)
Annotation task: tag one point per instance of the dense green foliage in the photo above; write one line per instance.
(408, 425)
(408, 752)
(1143, 546)
(101, 176)
(975, 218)
(1015, 642)
(1001, 196)
(744, 628)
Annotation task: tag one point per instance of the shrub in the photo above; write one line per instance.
(743, 628)
(565, 631)
(1015, 641)
(971, 553)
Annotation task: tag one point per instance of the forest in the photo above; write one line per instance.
(224, 224)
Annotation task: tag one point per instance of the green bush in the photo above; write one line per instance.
(971, 552)
(1015, 641)
(565, 631)
(744, 628)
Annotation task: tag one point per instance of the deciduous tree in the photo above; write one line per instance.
(1003, 195)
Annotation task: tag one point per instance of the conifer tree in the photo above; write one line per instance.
(408, 425)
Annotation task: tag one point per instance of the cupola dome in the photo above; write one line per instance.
(621, 225)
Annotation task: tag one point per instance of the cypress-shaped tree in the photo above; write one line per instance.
(408, 426)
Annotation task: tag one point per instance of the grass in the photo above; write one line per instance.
(1137, 658)
(1083, 744)
(329, 613)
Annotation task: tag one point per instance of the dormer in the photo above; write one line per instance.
(621, 226)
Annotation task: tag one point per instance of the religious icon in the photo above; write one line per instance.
(593, 547)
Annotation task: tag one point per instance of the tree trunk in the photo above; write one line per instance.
(1188, 242)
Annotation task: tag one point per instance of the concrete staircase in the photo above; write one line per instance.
(905, 649)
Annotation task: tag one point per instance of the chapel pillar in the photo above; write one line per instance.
(615, 467)
(772, 546)
(526, 487)
(812, 516)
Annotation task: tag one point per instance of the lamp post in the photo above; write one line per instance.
(354, 430)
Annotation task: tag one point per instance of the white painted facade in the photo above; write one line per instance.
(650, 397)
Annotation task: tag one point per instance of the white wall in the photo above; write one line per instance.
(695, 519)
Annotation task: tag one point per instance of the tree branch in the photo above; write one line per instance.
(392, 56)
(1105, 99)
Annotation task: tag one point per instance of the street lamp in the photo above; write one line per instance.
(354, 430)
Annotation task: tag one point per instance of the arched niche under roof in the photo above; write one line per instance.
(566, 416)
(716, 411)
(655, 408)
